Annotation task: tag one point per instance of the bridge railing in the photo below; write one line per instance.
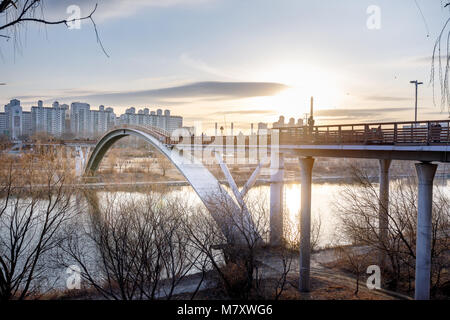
(159, 133)
(387, 133)
(406, 133)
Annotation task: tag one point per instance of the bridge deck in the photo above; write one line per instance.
(391, 133)
(421, 141)
(386, 133)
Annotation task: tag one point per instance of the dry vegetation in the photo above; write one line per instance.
(36, 199)
(358, 209)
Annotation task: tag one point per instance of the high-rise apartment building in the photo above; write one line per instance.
(146, 118)
(48, 120)
(3, 125)
(78, 120)
(80, 124)
(27, 124)
(13, 112)
(87, 123)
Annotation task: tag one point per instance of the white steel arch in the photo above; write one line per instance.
(234, 220)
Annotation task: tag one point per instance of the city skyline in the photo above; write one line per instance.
(355, 73)
(77, 120)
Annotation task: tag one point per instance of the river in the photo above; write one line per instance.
(323, 210)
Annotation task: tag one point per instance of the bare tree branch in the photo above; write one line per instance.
(26, 14)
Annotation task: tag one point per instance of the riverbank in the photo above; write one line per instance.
(239, 182)
(326, 283)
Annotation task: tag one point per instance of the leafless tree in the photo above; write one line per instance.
(138, 249)
(237, 249)
(36, 200)
(292, 231)
(355, 260)
(163, 163)
(17, 13)
(147, 164)
(440, 63)
(358, 209)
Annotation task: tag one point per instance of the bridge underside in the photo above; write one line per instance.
(409, 153)
(434, 153)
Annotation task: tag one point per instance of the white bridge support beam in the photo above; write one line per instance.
(276, 198)
(306, 166)
(425, 173)
(231, 182)
(251, 181)
(383, 213)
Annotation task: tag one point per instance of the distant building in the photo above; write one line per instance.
(78, 120)
(262, 128)
(3, 124)
(67, 117)
(146, 118)
(13, 112)
(281, 123)
(27, 124)
(80, 124)
(51, 121)
(87, 123)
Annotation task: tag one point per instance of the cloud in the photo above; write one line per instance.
(386, 98)
(427, 60)
(107, 9)
(244, 112)
(197, 90)
(344, 114)
(197, 64)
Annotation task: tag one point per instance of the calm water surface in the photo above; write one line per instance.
(324, 195)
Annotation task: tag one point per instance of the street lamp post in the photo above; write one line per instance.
(417, 83)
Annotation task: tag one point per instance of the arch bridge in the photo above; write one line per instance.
(233, 218)
(425, 142)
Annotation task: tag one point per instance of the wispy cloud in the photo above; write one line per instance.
(111, 8)
(244, 112)
(347, 114)
(193, 91)
(386, 98)
(200, 65)
(427, 60)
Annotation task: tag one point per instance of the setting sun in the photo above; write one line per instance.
(303, 81)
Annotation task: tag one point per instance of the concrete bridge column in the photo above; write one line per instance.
(425, 174)
(276, 198)
(383, 213)
(306, 166)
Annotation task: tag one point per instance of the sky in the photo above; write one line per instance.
(241, 61)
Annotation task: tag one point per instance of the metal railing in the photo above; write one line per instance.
(435, 132)
(388, 133)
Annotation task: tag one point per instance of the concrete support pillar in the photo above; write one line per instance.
(276, 198)
(383, 213)
(306, 166)
(425, 174)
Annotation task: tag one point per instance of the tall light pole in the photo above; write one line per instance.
(417, 85)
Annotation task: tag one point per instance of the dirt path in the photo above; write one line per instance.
(326, 283)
